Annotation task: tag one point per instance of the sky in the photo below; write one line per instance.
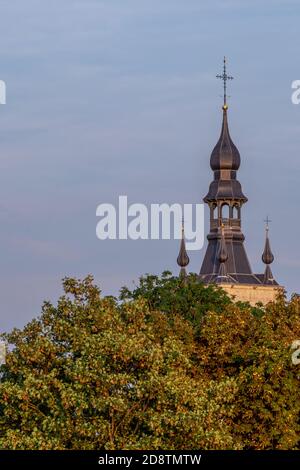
(119, 97)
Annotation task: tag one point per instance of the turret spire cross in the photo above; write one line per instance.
(267, 222)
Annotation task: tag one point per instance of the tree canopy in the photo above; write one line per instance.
(171, 364)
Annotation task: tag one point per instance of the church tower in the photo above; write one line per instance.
(225, 261)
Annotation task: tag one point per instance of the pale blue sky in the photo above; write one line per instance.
(120, 97)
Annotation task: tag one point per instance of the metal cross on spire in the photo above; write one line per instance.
(225, 77)
(267, 221)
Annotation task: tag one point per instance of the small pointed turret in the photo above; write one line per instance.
(268, 258)
(222, 258)
(182, 259)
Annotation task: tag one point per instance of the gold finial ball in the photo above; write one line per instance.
(225, 107)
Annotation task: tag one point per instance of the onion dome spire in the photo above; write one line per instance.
(225, 155)
(268, 257)
(225, 159)
(182, 259)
